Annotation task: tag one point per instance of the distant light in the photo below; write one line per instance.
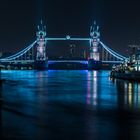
(68, 37)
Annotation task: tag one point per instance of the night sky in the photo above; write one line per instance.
(119, 21)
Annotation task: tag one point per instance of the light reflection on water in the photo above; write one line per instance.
(100, 90)
(129, 94)
(92, 88)
(69, 104)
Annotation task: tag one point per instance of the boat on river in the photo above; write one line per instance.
(126, 75)
(128, 70)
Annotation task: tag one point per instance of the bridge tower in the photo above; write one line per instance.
(94, 55)
(41, 58)
(94, 42)
(41, 43)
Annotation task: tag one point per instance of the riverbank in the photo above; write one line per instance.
(126, 75)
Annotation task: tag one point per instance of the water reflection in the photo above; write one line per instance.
(0, 112)
(128, 94)
(101, 99)
(92, 88)
(100, 90)
(105, 93)
(69, 105)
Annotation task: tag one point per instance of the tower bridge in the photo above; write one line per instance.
(34, 56)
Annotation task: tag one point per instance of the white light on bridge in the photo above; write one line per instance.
(68, 37)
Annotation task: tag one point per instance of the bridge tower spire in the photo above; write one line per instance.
(94, 55)
(41, 58)
(94, 42)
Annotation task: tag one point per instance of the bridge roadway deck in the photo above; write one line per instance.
(56, 61)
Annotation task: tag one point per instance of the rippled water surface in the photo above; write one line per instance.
(69, 105)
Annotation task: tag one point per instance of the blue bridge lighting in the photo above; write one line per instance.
(37, 50)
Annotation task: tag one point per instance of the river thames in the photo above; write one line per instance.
(68, 105)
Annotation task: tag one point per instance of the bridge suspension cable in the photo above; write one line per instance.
(118, 56)
(19, 54)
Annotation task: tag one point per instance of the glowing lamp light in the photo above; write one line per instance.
(95, 49)
(68, 37)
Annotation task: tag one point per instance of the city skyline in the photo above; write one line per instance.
(118, 21)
